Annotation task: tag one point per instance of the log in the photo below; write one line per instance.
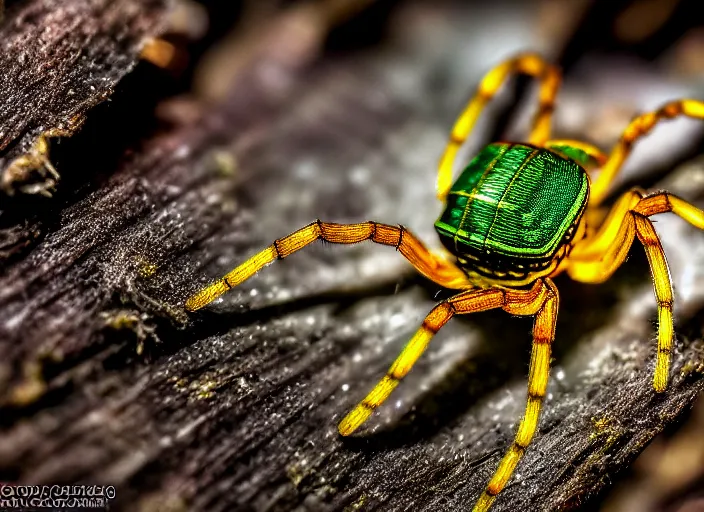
(105, 379)
(60, 59)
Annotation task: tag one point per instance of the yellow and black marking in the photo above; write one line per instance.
(598, 257)
(538, 374)
(400, 368)
(431, 265)
(663, 293)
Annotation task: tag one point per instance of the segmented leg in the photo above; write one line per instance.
(639, 127)
(528, 64)
(543, 336)
(663, 294)
(664, 202)
(660, 203)
(597, 258)
(517, 302)
(542, 299)
(619, 231)
(432, 266)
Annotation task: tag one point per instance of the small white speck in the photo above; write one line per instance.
(560, 375)
(253, 292)
(359, 175)
(357, 357)
(398, 404)
(283, 295)
(345, 387)
(182, 152)
(396, 321)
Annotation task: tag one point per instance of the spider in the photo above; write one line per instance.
(518, 215)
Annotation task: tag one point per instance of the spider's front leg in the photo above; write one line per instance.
(595, 259)
(434, 267)
(540, 300)
(545, 311)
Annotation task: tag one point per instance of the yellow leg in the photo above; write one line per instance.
(543, 336)
(663, 202)
(601, 268)
(541, 299)
(596, 258)
(660, 203)
(517, 302)
(614, 239)
(528, 64)
(432, 266)
(663, 294)
(639, 127)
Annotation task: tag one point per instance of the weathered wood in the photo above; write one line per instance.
(105, 379)
(58, 60)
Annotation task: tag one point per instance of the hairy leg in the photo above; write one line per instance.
(518, 302)
(596, 258)
(432, 266)
(543, 336)
(663, 294)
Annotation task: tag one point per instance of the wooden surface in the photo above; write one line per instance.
(105, 379)
(59, 59)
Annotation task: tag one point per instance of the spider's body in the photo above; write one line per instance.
(513, 212)
(513, 219)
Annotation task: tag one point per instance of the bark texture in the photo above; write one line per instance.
(58, 60)
(105, 379)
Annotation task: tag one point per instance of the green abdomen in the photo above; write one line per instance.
(513, 207)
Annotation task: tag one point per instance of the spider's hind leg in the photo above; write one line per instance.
(434, 267)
